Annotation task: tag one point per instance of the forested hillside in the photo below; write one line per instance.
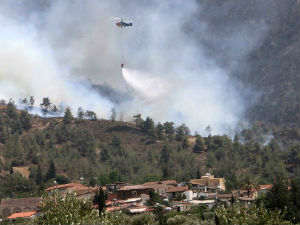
(105, 151)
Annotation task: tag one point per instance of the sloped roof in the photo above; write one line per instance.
(245, 198)
(22, 215)
(158, 186)
(177, 189)
(133, 187)
(72, 186)
(265, 186)
(197, 181)
(31, 202)
(222, 196)
(167, 182)
(83, 191)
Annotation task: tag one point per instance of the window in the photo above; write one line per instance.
(134, 194)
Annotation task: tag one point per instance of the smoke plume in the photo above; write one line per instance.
(173, 70)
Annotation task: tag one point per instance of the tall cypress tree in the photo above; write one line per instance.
(39, 175)
(101, 202)
(51, 173)
(295, 199)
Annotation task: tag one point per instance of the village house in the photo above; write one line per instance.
(209, 203)
(177, 192)
(133, 191)
(159, 189)
(208, 183)
(17, 205)
(81, 191)
(223, 197)
(114, 187)
(181, 206)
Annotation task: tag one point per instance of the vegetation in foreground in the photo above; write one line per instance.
(70, 210)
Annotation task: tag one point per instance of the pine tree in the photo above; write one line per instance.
(39, 176)
(11, 110)
(165, 153)
(80, 113)
(25, 119)
(46, 105)
(101, 202)
(68, 117)
(165, 172)
(179, 133)
(198, 173)
(295, 199)
(51, 173)
(3, 132)
(148, 124)
(54, 109)
(31, 102)
(104, 155)
(169, 128)
(159, 131)
(185, 143)
(278, 196)
(199, 146)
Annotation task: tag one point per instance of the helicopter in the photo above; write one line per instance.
(121, 23)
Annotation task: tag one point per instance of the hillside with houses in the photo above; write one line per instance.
(139, 165)
(199, 199)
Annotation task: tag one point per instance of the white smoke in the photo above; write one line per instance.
(28, 68)
(197, 102)
(47, 48)
(148, 87)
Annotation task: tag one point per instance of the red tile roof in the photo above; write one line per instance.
(22, 215)
(113, 208)
(177, 189)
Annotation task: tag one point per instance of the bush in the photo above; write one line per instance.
(61, 179)
(66, 210)
(238, 214)
(187, 220)
(143, 219)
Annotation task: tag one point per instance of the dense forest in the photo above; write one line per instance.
(104, 151)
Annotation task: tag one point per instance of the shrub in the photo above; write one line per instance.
(238, 214)
(66, 210)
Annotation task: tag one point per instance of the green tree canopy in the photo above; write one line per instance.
(68, 117)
